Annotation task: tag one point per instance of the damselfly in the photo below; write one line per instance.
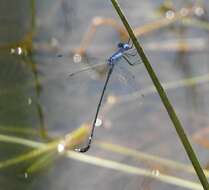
(123, 52)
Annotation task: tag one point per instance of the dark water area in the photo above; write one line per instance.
(40, 102)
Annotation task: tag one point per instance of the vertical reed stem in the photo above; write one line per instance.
(164, 99)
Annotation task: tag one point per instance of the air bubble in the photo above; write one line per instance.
(111, 100)
(184, 11)
(199, 11)
(98, 122)
(29, 101)
(61, 147)
(156, 173)
(97, 20)
(54, 42)
(18, 51)
(77, 58)
(25, 175)
(170, 14)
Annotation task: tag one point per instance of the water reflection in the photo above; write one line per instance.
(39, 101)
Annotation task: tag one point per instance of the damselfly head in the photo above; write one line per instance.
(126, 46)
(120, 45)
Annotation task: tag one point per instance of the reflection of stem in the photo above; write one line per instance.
(98, 21)
(33, 15)
(182, 63)
(147, 28)
(26, 42)
(38, 87)
(150, 27)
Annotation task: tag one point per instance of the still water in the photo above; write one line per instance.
(40, 102)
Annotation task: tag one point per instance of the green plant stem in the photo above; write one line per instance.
(164, 99)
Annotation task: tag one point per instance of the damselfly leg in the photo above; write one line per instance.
(130, 47)
(128, 42)
(130, 63)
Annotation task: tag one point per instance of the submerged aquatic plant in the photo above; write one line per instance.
(47, 153)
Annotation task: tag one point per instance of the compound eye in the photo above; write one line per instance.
(126, 46)
(120, 45)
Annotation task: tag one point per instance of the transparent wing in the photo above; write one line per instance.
(126, 79)
(132, 58)
(85, 80)
(84, 68)
(88, 63)
(93, 66)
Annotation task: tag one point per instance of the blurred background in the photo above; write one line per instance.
(135, 145)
